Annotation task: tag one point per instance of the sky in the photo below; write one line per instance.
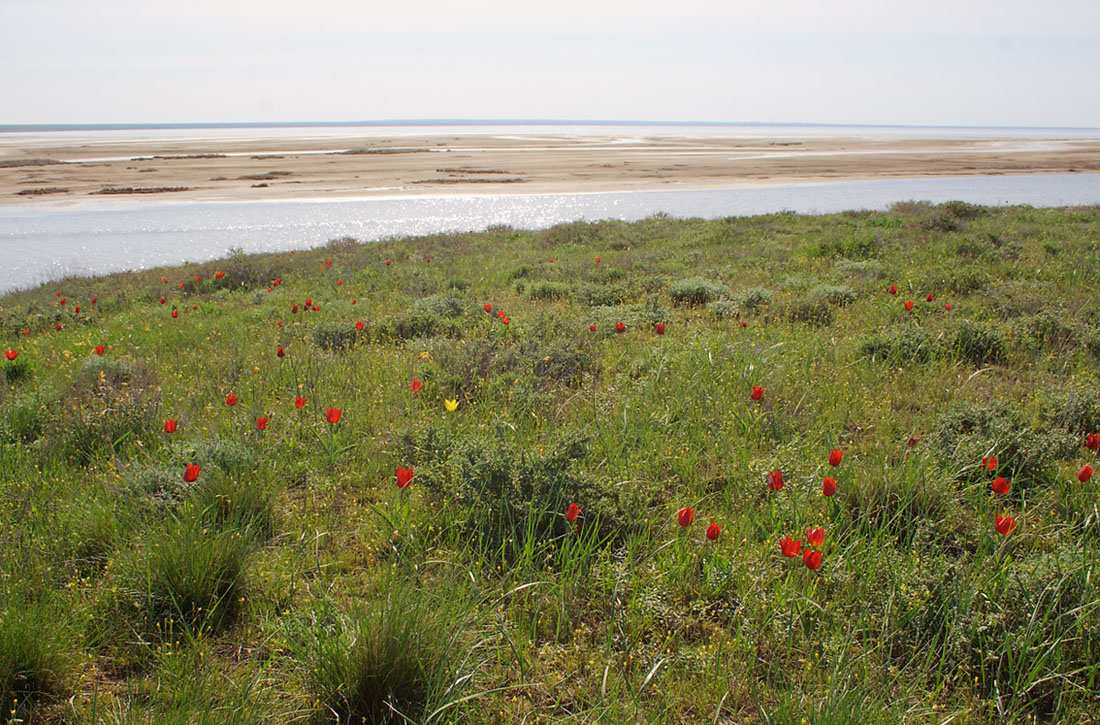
(926, 62)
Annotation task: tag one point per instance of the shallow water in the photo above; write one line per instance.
(39, 243)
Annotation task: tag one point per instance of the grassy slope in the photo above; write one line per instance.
(293, 575)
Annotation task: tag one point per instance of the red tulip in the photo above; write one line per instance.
(359, 325)
(989, 462)
(506, 320)
(835, 456)
(1001, 485)
(1004, 524)
(180, 285)
(592, 327)
(280, 352)
(893, 289)
(404, 476)
(1085, 473)
(389, 262)
(62, 300)
(332, 415)
(828, 487)
(294, 309)
(299, 402)
(309, 302)
(219, 275)
(572, 512)
(191, 472)
(744, 324)
(339, 281)
(58, 326)
(660, 328)
(815, 537)
(811, 558)
(416, 385)
(175, 314)
(230, 400)
(164, 280)
(162, 300)
(947, 307)
(714, 531)
(757, 393)
(94, 300)
(429, 259)
(279, 323)
(170, 426)
(196, 307)
(316, 308)
(1092, 441)
(775, 480)
(620, 327)
(790, 547)
(77, 310)
(100, 349)
(500, 313)
(597, 260)
(685, 516)
(488, 307)
(11, 354)
(196, 278)
(912, 441)
(909, 306)
(328, 264)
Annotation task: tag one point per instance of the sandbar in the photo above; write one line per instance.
(40, 169)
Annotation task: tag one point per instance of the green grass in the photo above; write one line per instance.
(293, 581)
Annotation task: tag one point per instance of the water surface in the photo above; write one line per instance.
(42, 242)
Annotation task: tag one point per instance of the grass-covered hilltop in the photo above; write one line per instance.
(427, 480)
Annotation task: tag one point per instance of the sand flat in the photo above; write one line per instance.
(44, 170)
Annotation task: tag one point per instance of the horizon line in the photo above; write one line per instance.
(23, 127)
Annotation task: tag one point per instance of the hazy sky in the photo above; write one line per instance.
(943, 62)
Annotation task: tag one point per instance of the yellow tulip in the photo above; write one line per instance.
(451, 405)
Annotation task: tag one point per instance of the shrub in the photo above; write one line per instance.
(388, 662)
(1076, 410)
(816, 312)
(520, 272)
(865, 247)
(752, 300)
(243, 506)
(23, 418)
(156, 485)
(447, 306)
(506, 496)
(336, 336)
(547, 291)
(899, 346)
(967, 432)
(112, 404)
(1046, 331)
(696, 291)
(35, 664)
(594, 295)
(866, 268)
(838, 295)
(183, 575)
(14, 371)
(979, 344)
(723, 309)
(229, 456)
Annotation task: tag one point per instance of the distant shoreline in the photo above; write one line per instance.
(153, 126)
(261, 166)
